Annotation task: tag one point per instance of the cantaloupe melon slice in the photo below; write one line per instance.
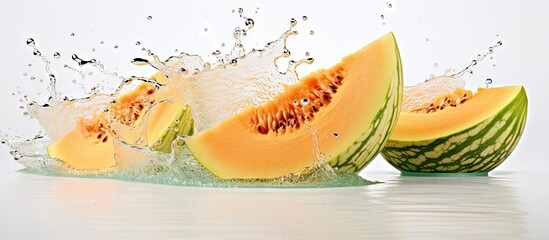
(90, 146)
(353, 104)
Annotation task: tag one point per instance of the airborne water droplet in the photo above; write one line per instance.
(488, 82)
(140, 61)
(305, 18)
(36, 52)
(149, 17)
(426, 39)
(436, 64)
(312, 32)
(382, 17)
(72, 34)
(249, 23)
(293, 22)
(240, 11)
(56, 55)
(205, 29)
(30, 42)
(115, 46)
(499, 43)
(307, 54)
(138, 43)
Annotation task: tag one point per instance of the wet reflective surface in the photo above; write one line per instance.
(505, 205)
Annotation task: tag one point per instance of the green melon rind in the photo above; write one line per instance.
(185, 127)
(480, 148)
(370, 143)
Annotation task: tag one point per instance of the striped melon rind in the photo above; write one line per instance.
(183, 125)
(478, 149)
(368, 146)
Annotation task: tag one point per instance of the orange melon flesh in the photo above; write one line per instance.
(87, 153)
(233, 150)
(486, 103)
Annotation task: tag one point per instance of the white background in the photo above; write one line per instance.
(456, 31)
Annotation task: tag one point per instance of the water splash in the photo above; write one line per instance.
(214, 91)
(480, 58)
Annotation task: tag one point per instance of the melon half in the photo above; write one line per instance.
(458, 132)
(354, 105)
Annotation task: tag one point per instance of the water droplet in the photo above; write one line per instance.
(249, 23)
(216, 52)
(382, 17)
(233, 11)
(176, 50)
(102, 42)
(115, 46)
(305, 102)
(56, 55)
(24, 74)
(499, 43)
(137, 43)
(205, 29)
(493, 65)
(30, 42)
(32, 78)
(74, 81)
(149, 17)
(233, 62)
(36, 52)
(29, 65)
(312, 32)
(295, 103)
(176, 121)
(305, 18)
(474, 62)
(436, 64)
(176, 129)
(310, 60)
(93, 49)
(140, 61)
(293, 22)
(389, 5)
(307, 54)
(488, 82)
(72, 34)
(240, 11)
(90, 73)
(426, 39)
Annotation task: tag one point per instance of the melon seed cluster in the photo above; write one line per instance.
(126, 110)
(458, 97)
(298, 104)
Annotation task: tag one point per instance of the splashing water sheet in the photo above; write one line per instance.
(214, 91)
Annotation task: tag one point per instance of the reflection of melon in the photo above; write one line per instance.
(458, 132)
(353, 104)
(90, 146)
